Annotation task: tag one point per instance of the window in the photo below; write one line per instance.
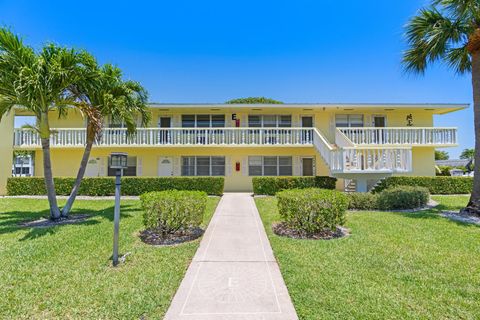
(218, 120)
(130, 171)
(188, 121)
(203, 166)
(269, 166)
(349, 120)
(270, 121)
(203, 121)
(284, 166)
(188, 166)
(255, 166)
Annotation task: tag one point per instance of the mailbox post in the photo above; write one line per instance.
(118, 161)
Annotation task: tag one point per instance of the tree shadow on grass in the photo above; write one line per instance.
(11, 221)
(435, 213)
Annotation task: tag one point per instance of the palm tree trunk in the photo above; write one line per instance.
(49, 184)
(81, 172)
(473, 206)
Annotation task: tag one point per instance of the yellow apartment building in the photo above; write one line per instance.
(357, 143)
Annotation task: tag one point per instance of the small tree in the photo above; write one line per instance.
(38, 82)
(253, 100)
(99, 93)
(441, 155)
(468, 154)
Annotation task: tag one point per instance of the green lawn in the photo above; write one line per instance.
(65, 271)
(393, 266)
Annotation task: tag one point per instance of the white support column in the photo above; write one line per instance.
(362, 185)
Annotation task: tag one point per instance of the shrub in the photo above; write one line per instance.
(312, 210)
(362, 201)
(403, 197)
(173, 210)
(435, 185)
(444, 171)
(271, 185)
(104, 186)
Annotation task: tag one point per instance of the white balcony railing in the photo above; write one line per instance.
(400, 136)
(374, 160)
(171, 137)
(346, 158)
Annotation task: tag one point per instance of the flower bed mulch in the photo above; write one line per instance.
(281, 229)
(156, 238)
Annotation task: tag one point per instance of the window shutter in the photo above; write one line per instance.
(139, 167)
(228, 166)
(176, 166)
(245, 167)
(297, 166)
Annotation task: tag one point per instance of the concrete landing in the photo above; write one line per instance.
(234, 274)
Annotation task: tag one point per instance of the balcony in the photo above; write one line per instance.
(407, 136)
(155, 137)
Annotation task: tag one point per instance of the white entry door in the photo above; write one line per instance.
(165, 166)
(93, 168)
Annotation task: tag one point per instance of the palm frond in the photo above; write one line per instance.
(432, 36)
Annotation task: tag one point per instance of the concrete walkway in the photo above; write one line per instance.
(234, 274)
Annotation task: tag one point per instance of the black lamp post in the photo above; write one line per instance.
(118, 161)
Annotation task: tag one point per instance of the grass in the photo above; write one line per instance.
(65, 272)
(393, 266)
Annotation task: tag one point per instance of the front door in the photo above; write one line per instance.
(307, 167)
(307, 122)
(379, 135)
(379, 121)
(307, 135)
(164, 135)
(93, 169)
(165, 167)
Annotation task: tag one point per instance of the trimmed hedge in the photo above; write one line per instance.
(403, 197)
(105, 186)
(362, 201)
(312, 210)
(173, 210)
(271, 185)
(435, 185)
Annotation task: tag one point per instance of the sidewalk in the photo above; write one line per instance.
(234, 274)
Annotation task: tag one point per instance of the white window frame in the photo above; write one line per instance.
(277, 120)
(210, 121)
(277, 166)
(348, 119)
(210, 166)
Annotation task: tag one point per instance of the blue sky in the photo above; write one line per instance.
(212, 51)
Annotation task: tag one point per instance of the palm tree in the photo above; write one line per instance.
(468, 154)
(448, 31)
(37, 81)
(101, 92)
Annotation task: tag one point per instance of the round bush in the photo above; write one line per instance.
(312, 210)
(173, 210)
(403, 197)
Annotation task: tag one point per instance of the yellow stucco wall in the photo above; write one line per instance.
(6, 150)
(65, 161)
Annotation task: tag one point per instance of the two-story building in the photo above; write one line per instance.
(357, 143)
